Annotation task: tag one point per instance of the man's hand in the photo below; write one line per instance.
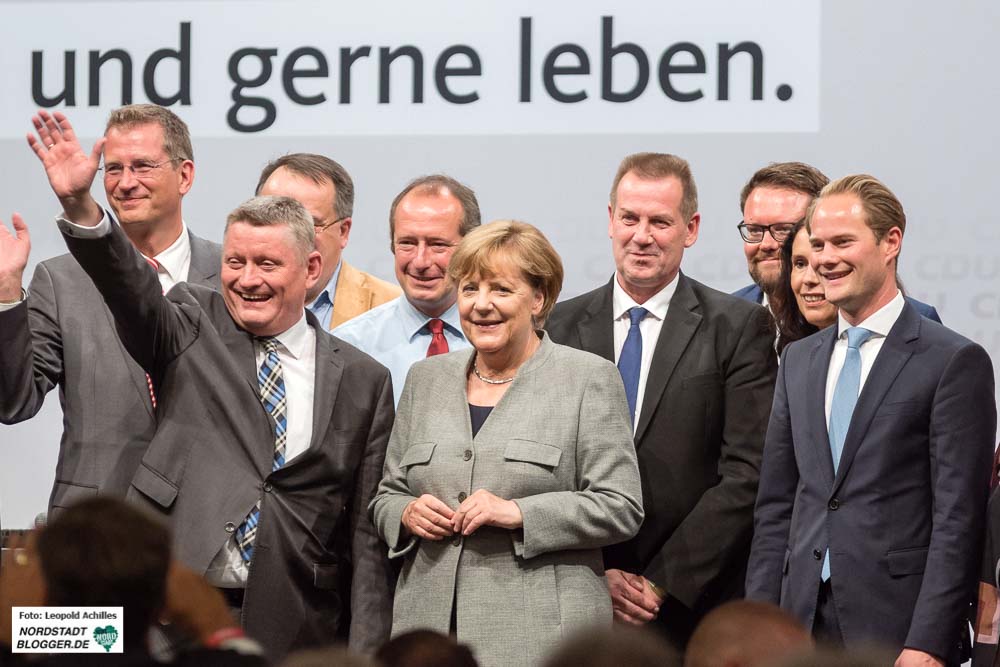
(483, 508)
(193, 605)
(632, 599)
(69, 169)
(913, 658)
(14, 250)
(428, 518)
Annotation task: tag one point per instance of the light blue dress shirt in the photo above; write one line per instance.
(395, 334)
(322, 306)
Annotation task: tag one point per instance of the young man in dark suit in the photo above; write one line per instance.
(873, 488)
(698, 367)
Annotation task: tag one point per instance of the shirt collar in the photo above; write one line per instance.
(657, 304)
(175, 257)
(295, 338)
(413, 320)
(329, 291)
(880, 322)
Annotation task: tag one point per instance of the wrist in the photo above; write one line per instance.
(12, 294)
(82, 210)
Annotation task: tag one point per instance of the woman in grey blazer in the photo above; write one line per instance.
(509, 466)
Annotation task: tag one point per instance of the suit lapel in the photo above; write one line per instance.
(678, 327)
(205, 263)
(138, 377)
(329, 370)
(819, 364)
(895, 352)
(596, 327)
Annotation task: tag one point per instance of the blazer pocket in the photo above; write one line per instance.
(906, 561)
(529, 451)
(703, 380)
(325, 576)
(70, 493)
(899, 408)
(154, 486)
(416, 454)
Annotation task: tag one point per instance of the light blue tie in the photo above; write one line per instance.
(630, 360)
(271, 382)
(845, 397)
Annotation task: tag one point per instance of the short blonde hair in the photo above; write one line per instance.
(883, 210)
(484, 248)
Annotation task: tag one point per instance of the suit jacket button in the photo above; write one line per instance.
(230, 527)
(457, 541)
(833, 505)
(467, 455)
(462, 497)
(817, 554)
(267, 487)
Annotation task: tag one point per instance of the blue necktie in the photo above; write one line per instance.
(630, 360)
(272, 394)
(845, 397)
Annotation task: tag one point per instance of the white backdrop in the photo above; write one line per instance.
(905, 91)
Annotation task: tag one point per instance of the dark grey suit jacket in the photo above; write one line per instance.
(904, 515)
(64, 335)
(319, 571)
(699, 440)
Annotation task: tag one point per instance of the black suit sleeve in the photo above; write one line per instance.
(373, 578)
(712, 542)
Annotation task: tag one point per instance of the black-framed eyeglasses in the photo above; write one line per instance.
(755, 233)
(138, 169)
(323, 226)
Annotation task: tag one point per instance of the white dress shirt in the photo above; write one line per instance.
(649, 327)
(297, 353)
(879, 323)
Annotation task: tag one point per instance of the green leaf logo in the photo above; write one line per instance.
(106, 636)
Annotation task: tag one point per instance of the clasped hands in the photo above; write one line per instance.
(429, 518)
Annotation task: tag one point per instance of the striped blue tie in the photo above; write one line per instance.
(272, 395)
(845, 397)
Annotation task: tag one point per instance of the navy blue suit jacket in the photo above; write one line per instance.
(753, 292)
(903, 516)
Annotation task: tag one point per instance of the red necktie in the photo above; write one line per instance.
(439, 344)
(149, 381)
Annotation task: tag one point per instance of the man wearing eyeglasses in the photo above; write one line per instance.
(773, 201)
(326, 190)
(426, 221)
(59, 332)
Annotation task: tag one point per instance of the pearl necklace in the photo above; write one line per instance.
(475, 369)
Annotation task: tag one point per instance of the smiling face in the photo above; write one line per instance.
(649, 233)
(426, 231)
(265, 276)
(318, 199)
(153, 199)
(857, 271)
(806, 285)
(497, 311)
(767, 206)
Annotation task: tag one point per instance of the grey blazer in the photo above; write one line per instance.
(319, 571)
(559, 443)
(64, 335)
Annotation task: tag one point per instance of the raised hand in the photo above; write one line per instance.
(70, 170)
(14, 250)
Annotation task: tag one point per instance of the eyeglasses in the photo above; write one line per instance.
(755, 233)
(139, 169)
(323, 226)
(410, 246)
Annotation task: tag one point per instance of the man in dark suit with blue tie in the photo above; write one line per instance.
(778, 194)
(876, 465)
